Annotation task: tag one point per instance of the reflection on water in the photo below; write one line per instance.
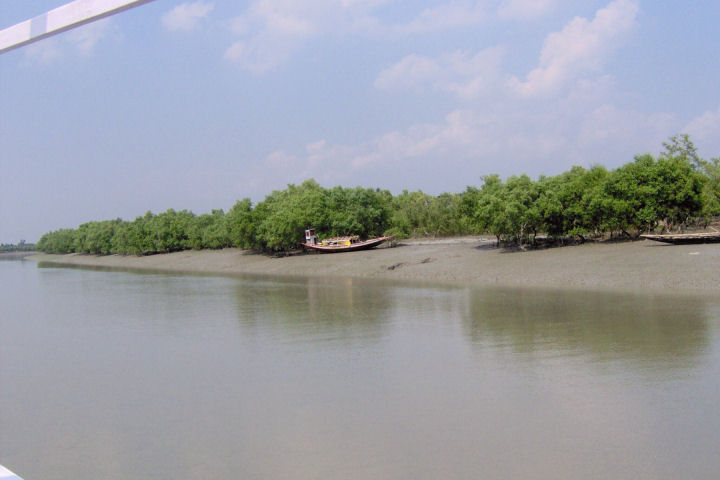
(112, 375)
(665, 332)
(333, 310)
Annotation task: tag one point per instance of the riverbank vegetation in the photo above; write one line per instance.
(22, 246)
(667, 192)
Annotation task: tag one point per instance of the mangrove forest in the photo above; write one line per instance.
(668, 192)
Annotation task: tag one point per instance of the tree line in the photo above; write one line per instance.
(665, 192)
(22, 246)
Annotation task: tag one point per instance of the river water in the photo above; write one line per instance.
(121, 375)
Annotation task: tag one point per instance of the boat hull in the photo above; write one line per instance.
(365, 245)
(685, 238)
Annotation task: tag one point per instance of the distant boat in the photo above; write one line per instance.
(348, 243)
(685, 238)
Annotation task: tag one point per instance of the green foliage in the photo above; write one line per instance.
(21, 246)
(488, 203)
(520, 215)
(637, 197)
(648, 193)
(241, 224)
(59, 241)
(410, 213)
(356, 211)
(283, 216)
(711, 191)
(420, 214)
(681, 147)
(281, 219)
(209, 231)
(95, 237)
(572, 203)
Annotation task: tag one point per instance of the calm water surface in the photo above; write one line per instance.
(117, 375)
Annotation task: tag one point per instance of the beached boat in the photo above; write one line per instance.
(349, 243)
(685, 238)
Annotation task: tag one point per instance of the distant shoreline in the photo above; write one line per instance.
(17, 254)
(641, 266)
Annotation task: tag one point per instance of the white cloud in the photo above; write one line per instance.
(262, 52)
(525, 9)
(507, 137)
(500, 124)
(412, 71)
(461, 74)
(88, 36)
(82, 41)
(454, 14)
(582, 46)
(608, 127)
(469, 143)
(280, 160)
(186, 16)
(44, 53)
(705, 132)
(366, 3)
(270, 31)
(566, 59)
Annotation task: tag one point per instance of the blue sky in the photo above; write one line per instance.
(194, 105)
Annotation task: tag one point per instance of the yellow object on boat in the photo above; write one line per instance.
(340, 241)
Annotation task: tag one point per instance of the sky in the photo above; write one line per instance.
(196, 105)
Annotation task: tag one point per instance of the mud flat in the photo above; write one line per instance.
(637, 266)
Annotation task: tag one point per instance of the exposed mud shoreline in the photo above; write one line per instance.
(629, 266)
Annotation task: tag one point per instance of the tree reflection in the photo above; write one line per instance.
(651, 329)
(329, 309)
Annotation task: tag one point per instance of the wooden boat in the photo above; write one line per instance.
(685, 238)
(349, 243)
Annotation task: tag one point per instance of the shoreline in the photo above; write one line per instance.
(18, 254)
(640, 266)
